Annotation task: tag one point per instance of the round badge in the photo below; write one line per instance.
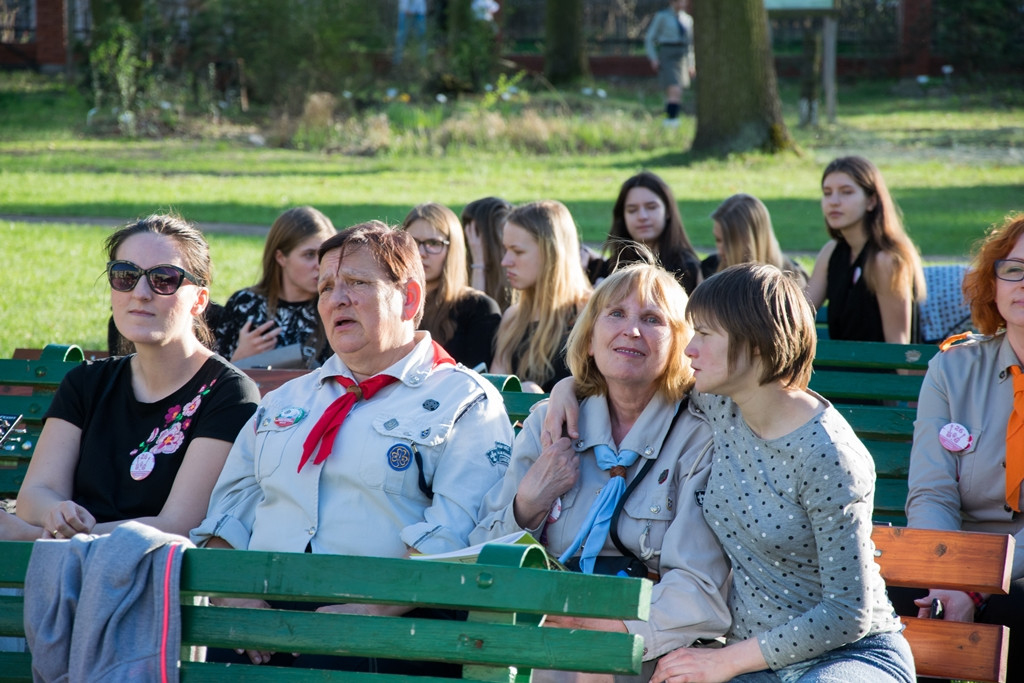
(142, 466)
(955, 438)
(399, 457)
(289, 417)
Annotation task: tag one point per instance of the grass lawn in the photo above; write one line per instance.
(954, 163)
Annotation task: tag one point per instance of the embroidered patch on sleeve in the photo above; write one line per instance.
(501, 454)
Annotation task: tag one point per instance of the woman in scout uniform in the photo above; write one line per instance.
(625, 352)
(967, 460)
(143, 436)
(385, 450)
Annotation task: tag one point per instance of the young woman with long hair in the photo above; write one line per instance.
(869, 272)
(541, 264)
(646, 213)
(280, 309)
(461, 319)
(743, 234)
(483, 220)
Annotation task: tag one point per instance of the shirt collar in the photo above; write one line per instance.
(1006, 358)
(410, 370)
(644, 437)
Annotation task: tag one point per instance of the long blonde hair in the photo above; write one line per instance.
(747, 234)
(553, 301)
(437, 312)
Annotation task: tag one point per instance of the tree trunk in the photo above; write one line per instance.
(565, 58)
(738, 106)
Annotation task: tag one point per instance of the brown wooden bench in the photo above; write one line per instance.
(957, 560)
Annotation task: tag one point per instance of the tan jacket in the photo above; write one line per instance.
(662, 521)
(969, 384)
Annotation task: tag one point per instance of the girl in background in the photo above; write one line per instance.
(743, 234)
(461, 319)
(483, 221)
(541, 264)
(870, 272)
(646, 213)
(280, 310)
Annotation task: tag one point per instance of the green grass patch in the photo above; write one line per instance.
(954, 161)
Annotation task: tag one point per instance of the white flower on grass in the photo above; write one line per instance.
(347, 94)
(587, 91)
(947, 69)
(922, 80)
(391, 93)
(126, 118)
(513, 90)
(601, 93)
(165, 105)
(484, 10)
(488, 87)
(441, 97)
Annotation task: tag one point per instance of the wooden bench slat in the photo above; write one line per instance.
(416, 639)
(858, 354)
(880, 422)
(15, 667)
(959, 650)
(840, 384)
(297, 576)
(923, 558)
(202, 672)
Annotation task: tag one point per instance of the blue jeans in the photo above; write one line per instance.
(882, 658)
(419, 22)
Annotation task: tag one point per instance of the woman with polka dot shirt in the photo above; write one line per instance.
(789, 496)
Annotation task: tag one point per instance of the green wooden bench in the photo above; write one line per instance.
(862, 373)
(27, 388)
(506, 593)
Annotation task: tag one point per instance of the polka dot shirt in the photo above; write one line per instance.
(794, 516)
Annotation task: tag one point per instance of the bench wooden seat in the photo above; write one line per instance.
(958, 560)
(506, 592)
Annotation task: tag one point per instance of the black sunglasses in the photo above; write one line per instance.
(164, 279)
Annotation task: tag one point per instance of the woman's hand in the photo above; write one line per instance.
(66, 519)
(555, 472)
(563, 411)
(957, 605)
(254, 340)
(475, 244)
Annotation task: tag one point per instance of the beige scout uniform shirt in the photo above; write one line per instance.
(969, 384)
(661, 522)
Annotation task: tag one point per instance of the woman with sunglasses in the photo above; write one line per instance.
(963, 473)
(461, 319)
(280, 310)
(141, 437)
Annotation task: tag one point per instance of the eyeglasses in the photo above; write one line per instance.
(432, 246)
(1010, 270)
(164, 279)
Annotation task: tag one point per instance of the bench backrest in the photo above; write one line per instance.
(958, 560)
(506, 592)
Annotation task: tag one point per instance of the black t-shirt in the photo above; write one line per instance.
(98, 398)
(684, 265)
(477, 317)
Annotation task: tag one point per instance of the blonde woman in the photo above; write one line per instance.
(743, 234)
(541, 263)
(461, 319)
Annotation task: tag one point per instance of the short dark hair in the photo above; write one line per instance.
(765, 314)
(394, 251)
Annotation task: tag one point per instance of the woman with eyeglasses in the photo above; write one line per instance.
(274, 323)
(461, 319)
(966, 463)
(869, 272)
(141, 437)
